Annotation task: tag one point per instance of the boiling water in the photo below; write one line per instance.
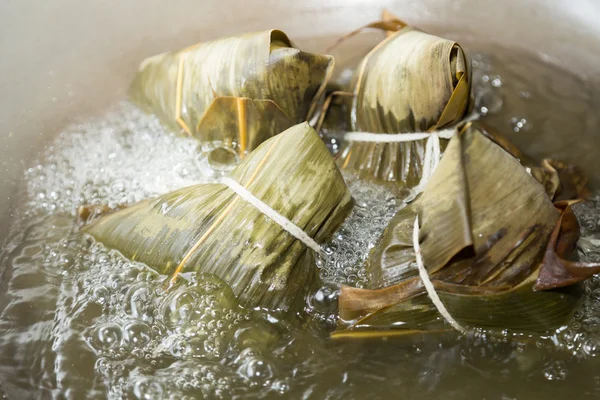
(81, 321)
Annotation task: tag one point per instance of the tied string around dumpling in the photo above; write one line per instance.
(430, 163)
(435, 299)
(264, 208)
(269, 212)
(432, 147)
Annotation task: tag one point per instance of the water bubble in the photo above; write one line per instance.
(325, 299)
(139, 302)
(115, 280)
(591, 347)
(519, 123)
(177, 308)
(375, 206)
(119, 185)
(219, 293)
(197, 346)
(222, 158)
(489, 101)
(280, 386)
(148, 389)
(179, 348)
(257, 369)
(556, 372)
(213, 347)
(100, 294)
(108, 172)
(109, 336)
(137, 334)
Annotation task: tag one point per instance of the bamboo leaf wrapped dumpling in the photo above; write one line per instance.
(410, 82)
(492, 242)
(209, 228)
(259, 81)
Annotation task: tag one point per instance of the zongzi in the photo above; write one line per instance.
(239, 90)
(410, 82)
(213, 229)
(494, 247)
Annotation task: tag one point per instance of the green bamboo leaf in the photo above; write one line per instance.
(210, 229)
(182, 87)
(407, 83)
(410, 82)
(493, 244)
(241, 123)
(520, 309)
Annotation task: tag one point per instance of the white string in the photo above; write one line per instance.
(437, 302)
(432, 147)
(395, 137)
(285, 223)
